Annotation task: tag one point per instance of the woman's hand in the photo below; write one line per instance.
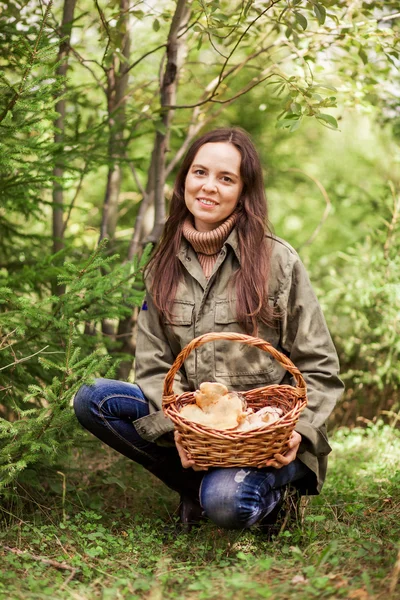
(281, 460)
(186, 462)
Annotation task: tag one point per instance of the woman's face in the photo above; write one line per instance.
(213, 184)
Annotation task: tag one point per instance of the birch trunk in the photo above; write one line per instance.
(169, 85)
(156, 177)
(58, 171)
(117, 81)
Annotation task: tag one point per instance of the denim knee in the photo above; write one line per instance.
(83, 402)
(109, 399)
(234, 516)
(89, 398)
(228, 503)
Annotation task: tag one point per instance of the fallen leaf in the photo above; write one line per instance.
(299, 579)
(360, 594)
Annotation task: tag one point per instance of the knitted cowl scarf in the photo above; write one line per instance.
(208, 244)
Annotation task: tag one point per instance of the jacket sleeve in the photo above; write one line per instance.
(306, 340)
(154, 357)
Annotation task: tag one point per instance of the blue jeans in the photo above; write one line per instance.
(234, 498)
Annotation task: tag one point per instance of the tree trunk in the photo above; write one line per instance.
(168, 90)
(156, 174)
(147, 201)
(58, 171)
(117, 82)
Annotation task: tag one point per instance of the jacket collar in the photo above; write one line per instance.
(233, 242)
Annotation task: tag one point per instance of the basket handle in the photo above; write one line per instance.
(168, 394)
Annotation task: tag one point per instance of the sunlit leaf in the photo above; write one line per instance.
(320, 13)
(363, 55)
(300, 18)
(327, 119)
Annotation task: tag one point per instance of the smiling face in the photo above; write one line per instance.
(213, 184)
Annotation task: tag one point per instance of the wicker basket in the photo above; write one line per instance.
(215, 448)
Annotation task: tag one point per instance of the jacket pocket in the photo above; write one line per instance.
(181, 314)
(236, 362)
(179, 329)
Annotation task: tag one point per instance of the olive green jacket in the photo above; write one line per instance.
(203, 306)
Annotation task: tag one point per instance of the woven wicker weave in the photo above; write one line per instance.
(210, 447)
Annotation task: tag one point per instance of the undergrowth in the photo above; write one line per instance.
(105, 528)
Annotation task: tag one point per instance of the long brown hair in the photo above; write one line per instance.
(251, 279)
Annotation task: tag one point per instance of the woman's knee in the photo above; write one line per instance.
(227, 502)
(86, 400)
(107, 399)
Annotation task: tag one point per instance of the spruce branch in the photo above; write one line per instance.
(29, 68)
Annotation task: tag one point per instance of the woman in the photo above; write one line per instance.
(218, 268)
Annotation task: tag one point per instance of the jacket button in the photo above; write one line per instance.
(188, 258)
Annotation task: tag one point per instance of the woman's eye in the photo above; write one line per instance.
(226, 178)
(199, 172)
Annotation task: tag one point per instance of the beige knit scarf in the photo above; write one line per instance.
(208, 244)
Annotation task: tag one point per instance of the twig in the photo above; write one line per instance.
(327, 207)
(250, 25)
(395, 576)
(83, 62)
(107, 30)
(46, 561)
(133, 65)
(64, 491)
(222, 75)
(136, 178)
(249, 86)
(391, 413)
(168, 90)
(32, 59)
(196, 125)
(25, 358)
(393, 222)
(4, 339)
(14, 516)
(202, 4)
(256, 81)
(71, 206)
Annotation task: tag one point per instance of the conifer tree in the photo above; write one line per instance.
(44, 356)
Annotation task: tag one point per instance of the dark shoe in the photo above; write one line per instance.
(190, 513)
(285, 512)
(270, 525)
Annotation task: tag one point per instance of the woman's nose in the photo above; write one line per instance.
(210, 184)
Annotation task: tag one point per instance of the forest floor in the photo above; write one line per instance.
(106, 529)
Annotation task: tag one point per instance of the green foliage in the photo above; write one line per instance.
(364, 297)
(45, 358)
(26, 117)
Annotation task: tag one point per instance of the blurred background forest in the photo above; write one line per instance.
(99, 101)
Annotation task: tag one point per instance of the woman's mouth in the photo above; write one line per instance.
(207, 202)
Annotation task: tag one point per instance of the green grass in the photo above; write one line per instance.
(115, 533)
